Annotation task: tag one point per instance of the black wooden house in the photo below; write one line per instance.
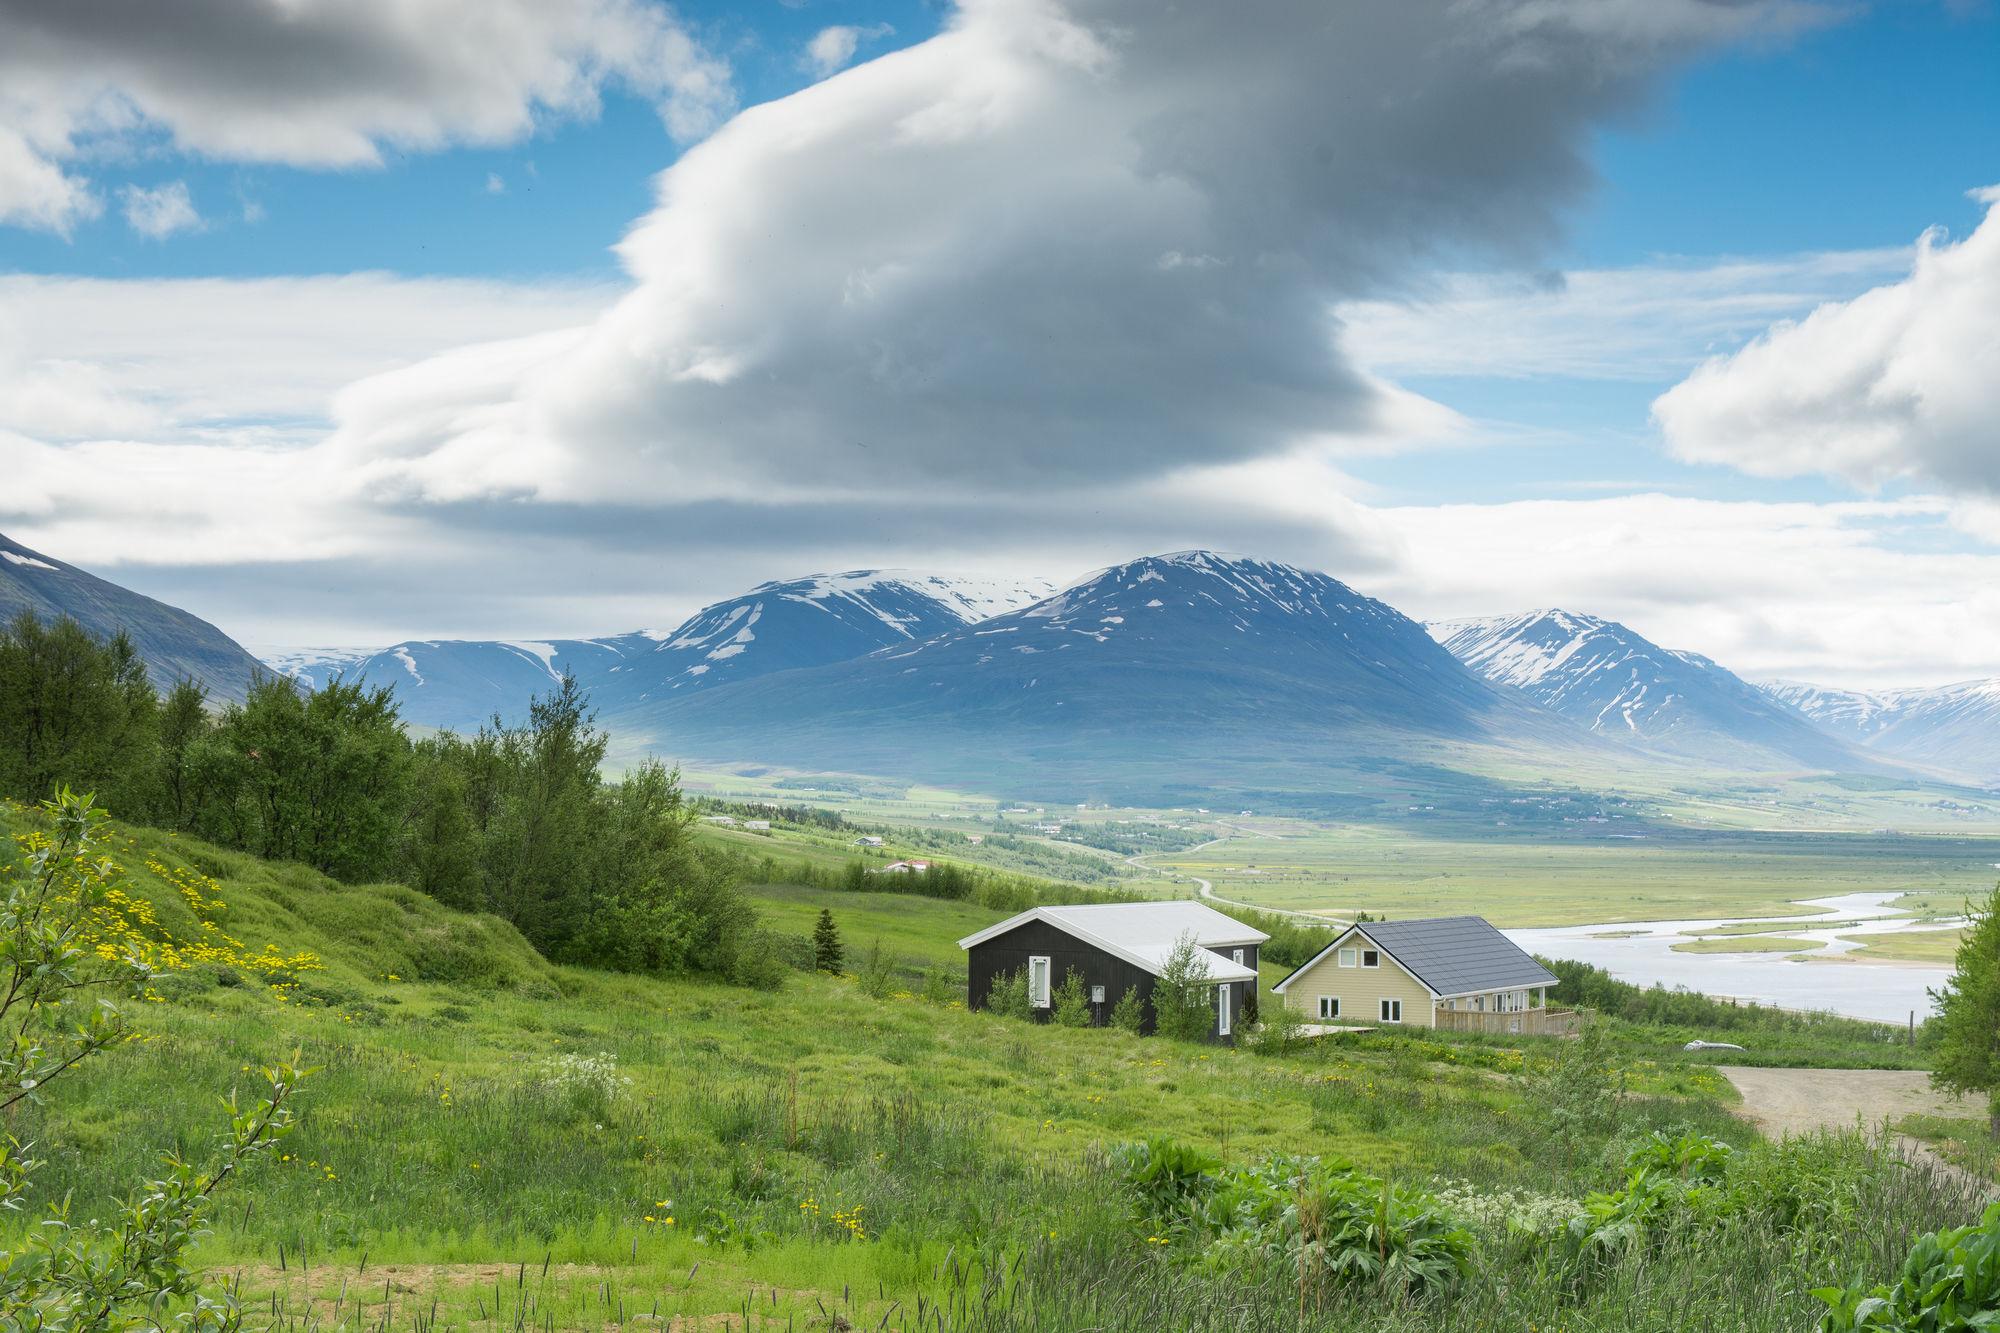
(1117, 947)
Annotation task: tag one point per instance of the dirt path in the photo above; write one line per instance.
(1796, 1101)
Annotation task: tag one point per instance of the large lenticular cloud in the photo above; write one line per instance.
(1058, 244)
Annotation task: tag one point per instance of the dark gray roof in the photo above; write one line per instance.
(1456, 954)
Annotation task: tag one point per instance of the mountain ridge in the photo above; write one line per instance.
(1616, 683)
(172, 642)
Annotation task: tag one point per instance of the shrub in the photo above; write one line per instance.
(1949, 1284)
(939, 986)
(1130, 1011)
(1282, 1032)
(826, 947)
(878, 972)
(1008, 996)
(1072, 1002)
(1182, 997)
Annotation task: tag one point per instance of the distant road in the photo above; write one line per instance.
(1205, 888)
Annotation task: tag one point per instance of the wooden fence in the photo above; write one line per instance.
(1522, 1022)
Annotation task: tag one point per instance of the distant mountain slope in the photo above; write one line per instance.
(173, 643)
(1604, 676)
(462, 683)
(1951, 729)
(1145, 677)
(800, 623)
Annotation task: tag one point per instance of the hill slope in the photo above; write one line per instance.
(1951, 729)
(1160, 675)
(1605, 677)
(173, 643)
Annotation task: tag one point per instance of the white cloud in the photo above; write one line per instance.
(832, 49)
(1865, 593)
(942, 271)
(494, 183)
(320, 85)
(159, 212)
(1900, 382)
(1648, 322)
(34, 192)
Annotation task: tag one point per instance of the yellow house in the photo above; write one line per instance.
(1454, 972)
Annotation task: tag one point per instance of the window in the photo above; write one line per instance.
(1236, 957)
(1223, 996)
(1369, 958)
(1038, 982)
(1392, 1011)
(1329, 1006)
(1347, 957)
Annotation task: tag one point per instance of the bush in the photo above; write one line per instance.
(1008, 996)
(940, 987)
(1072, 1002)
(1130, 1012)
(587, 1087)
(877, 974)
(1182, 999)
(1283, 1031)
(1949, 1284)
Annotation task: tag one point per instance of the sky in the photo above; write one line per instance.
(1681, 312)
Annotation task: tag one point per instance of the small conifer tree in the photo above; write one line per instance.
(827, 952)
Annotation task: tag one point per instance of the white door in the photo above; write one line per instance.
(1222, 994)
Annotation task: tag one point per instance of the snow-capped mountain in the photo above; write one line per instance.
(172, 643)
(314, 666)
(799, 623)
(1950, 729)
(1142, 675)
(1619, 684)
(461, 683)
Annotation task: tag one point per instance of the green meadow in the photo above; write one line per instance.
(493, 1141)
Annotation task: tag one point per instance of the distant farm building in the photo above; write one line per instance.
(868, 841)
(757, 825)
(905, 868)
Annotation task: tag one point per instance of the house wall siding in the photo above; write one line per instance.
(991, 959)
(1361, 989)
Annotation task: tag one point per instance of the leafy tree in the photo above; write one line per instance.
(826, 943)
(72, 1274)
(1183, 1001)
(318, 775)
(1130, 1011)
(184, 725)
(74, 711)
(1968, 1021)
(1072, 1001)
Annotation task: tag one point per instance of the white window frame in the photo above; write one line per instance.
(1236, 957)
(1392, 1011)
(1349, 955)
(1039, 1000)
(1329, 1006)
(1224, 1007)
(1366, 954)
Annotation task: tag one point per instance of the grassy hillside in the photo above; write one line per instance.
(492, 1139)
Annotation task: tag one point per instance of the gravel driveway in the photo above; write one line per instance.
(1791, 1101)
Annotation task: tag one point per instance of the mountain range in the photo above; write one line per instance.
(1170, 674)
(1163, 674)
(173, 644)
(462, 683)
(1615, 683)
(1952, 730)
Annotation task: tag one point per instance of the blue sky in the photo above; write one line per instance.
(1743, 173)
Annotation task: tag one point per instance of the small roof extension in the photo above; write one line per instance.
(1143, 934)
(1452, 955)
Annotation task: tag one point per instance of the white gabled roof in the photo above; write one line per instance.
(1143, 934)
